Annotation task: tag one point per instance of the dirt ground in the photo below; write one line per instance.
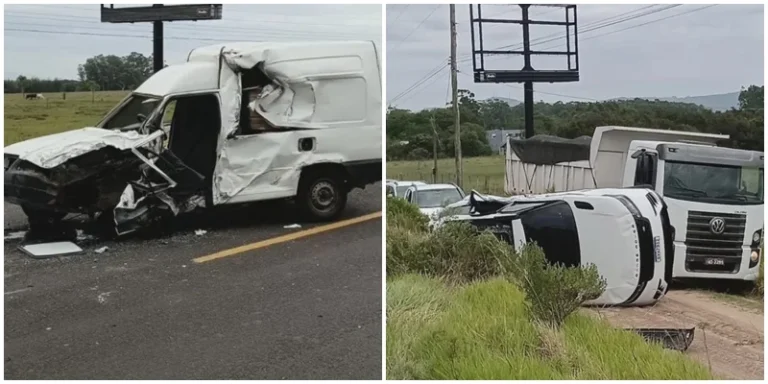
(728, 339)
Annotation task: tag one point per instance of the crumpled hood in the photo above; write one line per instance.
(53, 150)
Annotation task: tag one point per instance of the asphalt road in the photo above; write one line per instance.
(303, 309)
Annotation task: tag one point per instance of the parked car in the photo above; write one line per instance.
(625, 233)
(397, 188)
(432, 198)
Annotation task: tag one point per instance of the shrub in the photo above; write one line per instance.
(554, 291)
(404, 215)
(454, 250)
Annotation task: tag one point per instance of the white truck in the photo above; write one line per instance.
(624, 232)
(235, 123)
(714, 194)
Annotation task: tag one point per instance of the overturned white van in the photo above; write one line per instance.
(236, 123)
(624, 232)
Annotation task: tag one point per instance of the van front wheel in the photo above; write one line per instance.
(322, 197)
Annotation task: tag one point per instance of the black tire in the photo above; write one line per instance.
(322, 196)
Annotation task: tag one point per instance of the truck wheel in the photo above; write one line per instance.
(322, 196)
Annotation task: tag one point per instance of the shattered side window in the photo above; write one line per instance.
(133, 113)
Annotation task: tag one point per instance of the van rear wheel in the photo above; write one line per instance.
(322, 196)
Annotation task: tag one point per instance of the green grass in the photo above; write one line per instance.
(26, 119)
(486, 174)
(482, 330)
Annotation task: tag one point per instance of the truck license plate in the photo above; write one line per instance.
(714, 262)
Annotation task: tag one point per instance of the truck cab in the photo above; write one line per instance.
(623, 232)
(715, 198)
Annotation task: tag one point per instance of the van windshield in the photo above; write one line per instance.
(132, 114)
(713, 183)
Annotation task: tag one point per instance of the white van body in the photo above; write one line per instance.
(620, 231)
(321, 102)
(700, 252)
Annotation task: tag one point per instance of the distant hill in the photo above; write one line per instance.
(511, 102)
(718, 102)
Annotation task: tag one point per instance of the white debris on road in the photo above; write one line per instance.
(292, 226)
(101, 250)
(102, 297)
(200, 232)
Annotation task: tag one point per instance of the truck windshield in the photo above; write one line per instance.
(132, 113)
(713, 183)
(438, 198)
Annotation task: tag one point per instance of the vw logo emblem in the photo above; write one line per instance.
(717, 225)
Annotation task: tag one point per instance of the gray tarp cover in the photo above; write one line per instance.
(550, 150)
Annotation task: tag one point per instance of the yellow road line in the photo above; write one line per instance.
(286, 238)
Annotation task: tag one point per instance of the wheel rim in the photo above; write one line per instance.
(323, 196)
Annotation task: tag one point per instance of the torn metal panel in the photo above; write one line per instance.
(670, 338)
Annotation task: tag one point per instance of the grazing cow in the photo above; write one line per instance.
(34, 96)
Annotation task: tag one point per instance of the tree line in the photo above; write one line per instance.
(410, 133)
(98, 73)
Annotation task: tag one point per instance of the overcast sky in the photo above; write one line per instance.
(705, 51)
(78, 33)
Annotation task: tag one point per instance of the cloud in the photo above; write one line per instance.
(707, 51)
(77, 33)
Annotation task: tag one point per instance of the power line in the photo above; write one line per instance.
(468, 57)
(401, 13)
(600, 24)
(417, 27)
(178, 25)
(250, 21)
(296, 34)
(546, 93)
(417, 84)
(434, 79)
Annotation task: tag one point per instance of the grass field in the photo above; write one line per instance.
(486, 174)
(483, 331)
(25, 119)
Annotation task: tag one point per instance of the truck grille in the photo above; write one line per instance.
(710, 252)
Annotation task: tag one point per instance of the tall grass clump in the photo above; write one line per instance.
(483, 331)
(459, 253)
(554, 291)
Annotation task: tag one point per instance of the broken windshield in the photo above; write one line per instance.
(132, 113)
(713, 183)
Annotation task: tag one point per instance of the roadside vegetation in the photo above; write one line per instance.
(462, 305)
(26, 119)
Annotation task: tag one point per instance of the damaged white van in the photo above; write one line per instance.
(236, 123)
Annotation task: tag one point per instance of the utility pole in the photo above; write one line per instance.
(454, 84)
(527, 85)
(434, 149)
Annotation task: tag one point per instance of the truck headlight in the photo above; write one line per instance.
(756, 236)
(754, 256)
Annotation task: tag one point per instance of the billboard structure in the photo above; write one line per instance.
(527, 74)
(157, 14)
